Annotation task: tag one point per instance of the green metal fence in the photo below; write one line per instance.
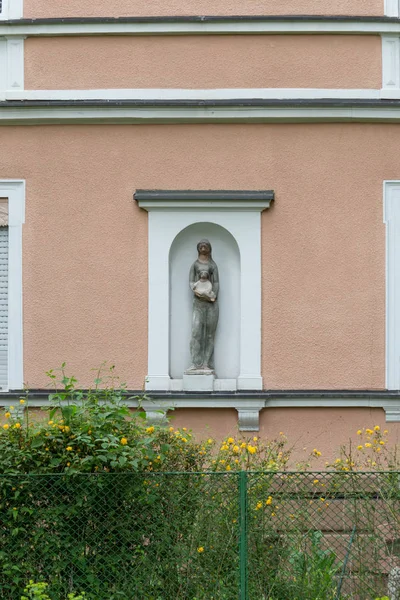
(201, 536)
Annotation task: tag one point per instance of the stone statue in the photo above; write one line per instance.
(204, 283)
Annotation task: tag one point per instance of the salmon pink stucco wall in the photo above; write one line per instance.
(323, 241)
(203, 62)
(130, 8)
(325, 429)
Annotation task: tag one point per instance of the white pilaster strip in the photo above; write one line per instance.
(392, 8)
(390, 62)
(15, 63)
(3, 68)
(158, 319)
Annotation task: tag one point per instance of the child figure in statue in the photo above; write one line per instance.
(203, 287)
(204, 282)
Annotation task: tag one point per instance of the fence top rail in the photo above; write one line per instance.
(285, 474)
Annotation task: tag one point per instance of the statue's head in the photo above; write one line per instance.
(204, 247)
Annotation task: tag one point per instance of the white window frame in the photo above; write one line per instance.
(14, 190)
(12, 9)
(392, 8)
(391, 194)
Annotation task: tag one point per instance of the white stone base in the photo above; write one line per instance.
(198, 383)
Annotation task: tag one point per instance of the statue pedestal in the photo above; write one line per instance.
(198, 381)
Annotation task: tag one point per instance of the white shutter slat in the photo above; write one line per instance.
(3, 305)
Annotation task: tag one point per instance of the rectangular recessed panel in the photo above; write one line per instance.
(3, 305)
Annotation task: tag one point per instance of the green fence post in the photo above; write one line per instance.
(243, 517)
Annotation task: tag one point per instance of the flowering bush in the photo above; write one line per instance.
(370, 454)
(96, 432)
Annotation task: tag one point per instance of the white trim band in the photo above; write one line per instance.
(207, 27)
(196, 94)
(33, 115)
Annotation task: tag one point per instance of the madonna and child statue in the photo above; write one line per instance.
(204, 283)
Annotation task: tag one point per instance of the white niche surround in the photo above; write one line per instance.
(238, 213)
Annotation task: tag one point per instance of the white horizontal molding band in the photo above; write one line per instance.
(137, 115)
(206, 27)
(196, 94)
(248, 407)
(199, 401)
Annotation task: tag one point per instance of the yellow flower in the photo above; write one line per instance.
(359, 432)
(69, 448)
(11, 408)
(210, 441)
(268, 500)
(259, 505)
(386, 432)
(50, 422)
(251, 449)
(255, 439)
(183, 428)
(359, 447)
(46, 449)
(382, 443)
(281, 433)
(17, 425)
(272, 514)
(150, 429)
(368, 445)
(228, 468)
(236, 449)
(224, 447)
(316, 452)
(322, 499)
(7, 415)
(230, 440)
(377, 428)
(369, 431)
(378, 449)
(338, 460)
(171, 429)
(22, 401)
(243, 445)
(222, 462)
(237, 461)
(124, 441)
(184, 440)
(200, 550)
(6, 426)
(68, 464)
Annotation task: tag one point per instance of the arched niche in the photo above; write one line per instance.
(232, 221)
(226, 254)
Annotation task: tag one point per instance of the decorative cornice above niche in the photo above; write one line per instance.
(238, 200)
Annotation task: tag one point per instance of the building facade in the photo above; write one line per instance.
(129, 130)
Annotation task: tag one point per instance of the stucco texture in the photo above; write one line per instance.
(323, 242)
(130, 8)
(319, 61)
(325, 429)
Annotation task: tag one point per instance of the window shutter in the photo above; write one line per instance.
(3, 307)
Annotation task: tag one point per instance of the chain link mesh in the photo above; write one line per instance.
(195, 536)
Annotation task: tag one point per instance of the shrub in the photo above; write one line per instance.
(94, 431)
